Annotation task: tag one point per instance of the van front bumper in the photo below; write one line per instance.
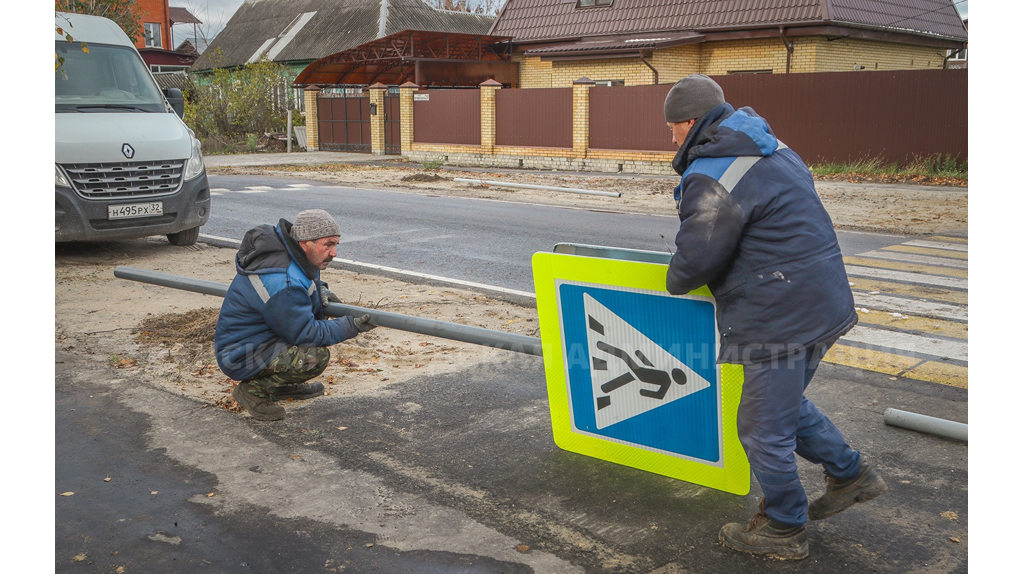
(79, 219)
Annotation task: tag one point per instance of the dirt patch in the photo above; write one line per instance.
(424, 177)
(884, 207)
(164, 336)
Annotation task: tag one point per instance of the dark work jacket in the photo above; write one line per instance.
(273, 303)
(753, 229)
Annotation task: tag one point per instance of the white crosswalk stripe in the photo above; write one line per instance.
(941, 326)
(920, 259)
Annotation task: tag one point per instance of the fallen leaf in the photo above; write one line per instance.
(211, 494)
(154, 492)
(949, 515)
(80, 557)
(342, 428)
(954, 539)
(106, 479)
(523, 548)
(69, 493)
(295, 457)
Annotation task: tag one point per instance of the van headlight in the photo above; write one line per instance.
(194, 168)
(59, 179)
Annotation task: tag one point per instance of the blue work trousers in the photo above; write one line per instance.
(776, 420)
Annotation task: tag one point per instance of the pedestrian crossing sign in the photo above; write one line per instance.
(631, 370)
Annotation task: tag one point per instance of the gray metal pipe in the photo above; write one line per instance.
(434, 328)
(541, 187)
(925, 424)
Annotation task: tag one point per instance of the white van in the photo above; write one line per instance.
(126, 165)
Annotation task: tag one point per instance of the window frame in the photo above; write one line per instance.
(153, 40)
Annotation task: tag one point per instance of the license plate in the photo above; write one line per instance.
(135, 210)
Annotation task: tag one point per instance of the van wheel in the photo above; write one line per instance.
(187, 237)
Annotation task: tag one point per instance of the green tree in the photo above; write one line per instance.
(227, 106)
(125, 13)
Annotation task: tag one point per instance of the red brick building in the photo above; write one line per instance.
(156, 25)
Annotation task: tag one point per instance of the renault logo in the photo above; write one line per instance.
(128, 151)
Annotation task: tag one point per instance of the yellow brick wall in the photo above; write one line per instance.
(720, 58)
(312, 125)
(843, 55)
(810, 54)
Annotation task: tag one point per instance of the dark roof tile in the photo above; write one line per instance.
(334, 26)
(535, 20)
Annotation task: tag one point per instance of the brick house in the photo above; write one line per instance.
(636, 42)
(156, 25)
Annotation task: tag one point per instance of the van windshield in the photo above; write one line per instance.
(106, 78)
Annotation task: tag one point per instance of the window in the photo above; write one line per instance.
(609, 83)
(153, 37)
(957, 55)
(593, 3)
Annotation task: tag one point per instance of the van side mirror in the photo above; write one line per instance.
(176, 100)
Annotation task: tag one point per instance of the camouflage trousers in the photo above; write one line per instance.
(293, 366)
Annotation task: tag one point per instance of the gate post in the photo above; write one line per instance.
(377, 92)
(581, 116)
(310, 95)
(488, 115)
(405, 106)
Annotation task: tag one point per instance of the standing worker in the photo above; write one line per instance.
(271, 334)
(753, 229)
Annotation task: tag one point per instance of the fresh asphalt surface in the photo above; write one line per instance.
(457, 472)
(482, 241)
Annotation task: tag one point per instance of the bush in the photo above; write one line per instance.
(226, 106)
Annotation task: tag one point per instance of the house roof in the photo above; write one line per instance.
(530, 21)
(414, 55)
(306, 30)
(182, 16)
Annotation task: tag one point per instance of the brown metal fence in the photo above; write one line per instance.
(540, 117)
(344, 122)
(446, 117)
(847, 116)
(629, 118)
(894, 117)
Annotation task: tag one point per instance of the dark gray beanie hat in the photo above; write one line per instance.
(691, 98)
(314, 224)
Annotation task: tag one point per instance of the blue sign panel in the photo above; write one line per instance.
(638, 373)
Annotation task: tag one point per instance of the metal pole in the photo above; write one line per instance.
(543, 187)
(925, 424)
(289, 134)
(445, 330)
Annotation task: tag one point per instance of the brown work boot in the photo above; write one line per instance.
(260, 408)
(841, 495)
(298, 391)
(765, 536)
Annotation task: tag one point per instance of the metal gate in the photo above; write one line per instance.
(392, 123)
(343, 117)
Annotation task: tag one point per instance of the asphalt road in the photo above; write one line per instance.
(482, 241)
(457, 473)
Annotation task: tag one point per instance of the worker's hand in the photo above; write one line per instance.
(362, 323)
(327, 296)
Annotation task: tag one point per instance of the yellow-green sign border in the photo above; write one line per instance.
(732, 475)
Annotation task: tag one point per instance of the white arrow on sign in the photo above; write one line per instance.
(630, 373)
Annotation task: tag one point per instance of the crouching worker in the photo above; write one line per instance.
(272, 335)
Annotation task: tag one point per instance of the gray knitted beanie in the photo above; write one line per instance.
(691, 98)
(314, 224)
